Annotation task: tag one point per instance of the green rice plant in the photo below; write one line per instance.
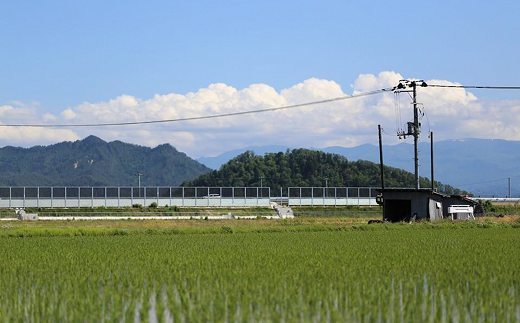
(372, 273)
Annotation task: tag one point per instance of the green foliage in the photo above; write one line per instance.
(385, 273)
(62, 232)
(305, 168)
(500, 208)
(488, 206)
(174, 208)
(226, 229)
(94, 162)
(153, 205)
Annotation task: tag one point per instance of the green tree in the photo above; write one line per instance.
(303, 168)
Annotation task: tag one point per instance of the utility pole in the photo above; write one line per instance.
(326, 185)
(381, 165)
(414, 128)
(416, 131)
(509, 186)
(139, 182)
(431, 165)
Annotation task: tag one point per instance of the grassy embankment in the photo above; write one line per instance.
(301, 211)
(492, 209)
(141, 211)
(162, 227)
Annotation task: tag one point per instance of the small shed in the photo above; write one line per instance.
(406, 204)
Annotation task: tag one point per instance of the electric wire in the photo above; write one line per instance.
(427, 119)
(395, 112)
(399, 109)
(200, 117)
(476, 87)
(386, 133)
(464, 87)
(486, 182)
(398, 117)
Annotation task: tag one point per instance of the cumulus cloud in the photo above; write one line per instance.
(19, 113)
(450, 113)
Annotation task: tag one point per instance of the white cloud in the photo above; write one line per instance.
(450, 113)
(68, 114)
(18, 113)
(370, 82)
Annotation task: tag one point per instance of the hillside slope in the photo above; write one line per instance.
(304, 167)
(481, 166)
(94, 162)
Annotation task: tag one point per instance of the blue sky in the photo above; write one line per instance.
(58, 55)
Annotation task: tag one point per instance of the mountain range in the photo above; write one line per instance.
(94, 162)
(480, 166)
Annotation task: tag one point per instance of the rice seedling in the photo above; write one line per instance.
(378, 274)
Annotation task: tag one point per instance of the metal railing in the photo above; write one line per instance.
(332, 196)
(12, 197)
(77, 197)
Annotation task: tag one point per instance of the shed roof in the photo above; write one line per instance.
(427, 191)
(412, 190)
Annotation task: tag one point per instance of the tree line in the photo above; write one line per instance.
(305, 168)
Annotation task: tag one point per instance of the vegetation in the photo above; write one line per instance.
(94, 162)
(341, 211)
(304, 168)
(139, 210)
(498, 209)
(258, 225)
(362, 273)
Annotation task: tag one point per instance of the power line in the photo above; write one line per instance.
(386, 133)
(489, 181)
(484, 182)
(476, 87)
(199, 117)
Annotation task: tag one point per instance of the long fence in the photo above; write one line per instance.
(332, 196)
(75, 197)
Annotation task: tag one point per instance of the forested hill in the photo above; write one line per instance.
(303, 167)
(94, 162)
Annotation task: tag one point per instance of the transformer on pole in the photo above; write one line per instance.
(414, 128)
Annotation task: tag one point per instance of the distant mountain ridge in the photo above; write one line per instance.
(94, 162)
(481, 166)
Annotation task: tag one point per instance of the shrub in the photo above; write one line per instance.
(488, 206)
(226, 229)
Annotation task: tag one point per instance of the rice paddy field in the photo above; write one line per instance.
(325, 270)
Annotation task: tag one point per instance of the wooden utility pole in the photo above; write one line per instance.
(431, 152)
(415, 133)
(381, 165)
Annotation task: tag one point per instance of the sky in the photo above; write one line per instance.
(94, 61)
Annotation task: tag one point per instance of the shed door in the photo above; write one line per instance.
(398, 210)
(435, 210)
